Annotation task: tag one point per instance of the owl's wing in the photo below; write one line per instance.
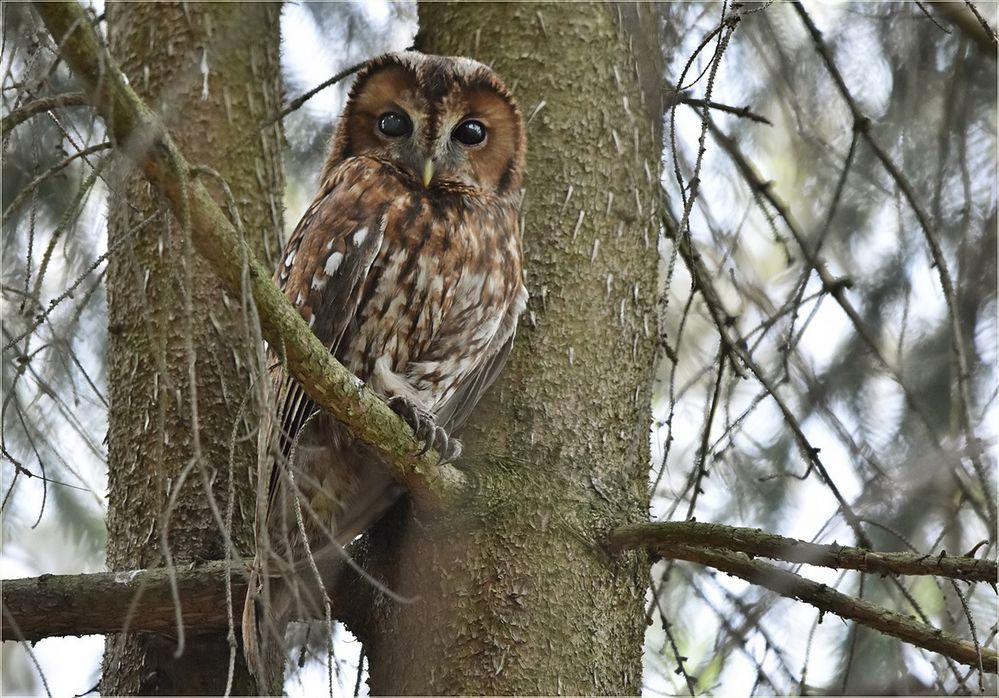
(322, 271)
(452, 413)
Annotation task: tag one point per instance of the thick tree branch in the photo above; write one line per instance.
(141, 601)
(660, 539)
(107, 602)
(139, 134)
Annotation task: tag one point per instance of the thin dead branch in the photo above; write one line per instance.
(38, 106)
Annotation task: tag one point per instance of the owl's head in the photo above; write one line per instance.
(443, 120)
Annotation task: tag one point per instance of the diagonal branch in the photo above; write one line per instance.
(713, 545)
(829, 600)
(659, 539)
(139, 135)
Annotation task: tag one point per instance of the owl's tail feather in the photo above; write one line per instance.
(251, 639)
(264, 626)
(274, 599)
(283, 589)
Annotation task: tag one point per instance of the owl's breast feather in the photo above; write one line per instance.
(409, 287)
(445, 280)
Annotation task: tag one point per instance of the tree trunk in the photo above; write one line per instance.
(212, 71)
(512, 593)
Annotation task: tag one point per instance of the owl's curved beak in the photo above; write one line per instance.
(428, 172)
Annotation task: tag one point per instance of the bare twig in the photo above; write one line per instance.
(22, 114)
(680, 670)
(835, 287)
(31, 186)
(68, 293)
(305, 97)
(297, 102)
(922, 8)
(703, 283)
(970, 22)
(985, 25)
(742, 112)
(15, 630)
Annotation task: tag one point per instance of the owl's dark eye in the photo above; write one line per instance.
(394, 124)
(469, 132)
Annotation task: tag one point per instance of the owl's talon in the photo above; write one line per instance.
(427, 443)
(448, 448)
(426, 430)
(450, 452)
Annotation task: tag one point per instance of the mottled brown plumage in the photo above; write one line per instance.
(408, 266)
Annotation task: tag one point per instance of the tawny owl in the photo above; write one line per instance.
(408, 266)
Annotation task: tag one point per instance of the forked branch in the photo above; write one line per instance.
(729, 549)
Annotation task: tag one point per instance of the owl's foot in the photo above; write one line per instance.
(426, 429)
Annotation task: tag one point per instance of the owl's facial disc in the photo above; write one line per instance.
(406, 138)
(443, 121)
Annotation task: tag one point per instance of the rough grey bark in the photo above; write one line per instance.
(512, 592)
(212, 72)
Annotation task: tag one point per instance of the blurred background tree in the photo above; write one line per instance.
(848, 234)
